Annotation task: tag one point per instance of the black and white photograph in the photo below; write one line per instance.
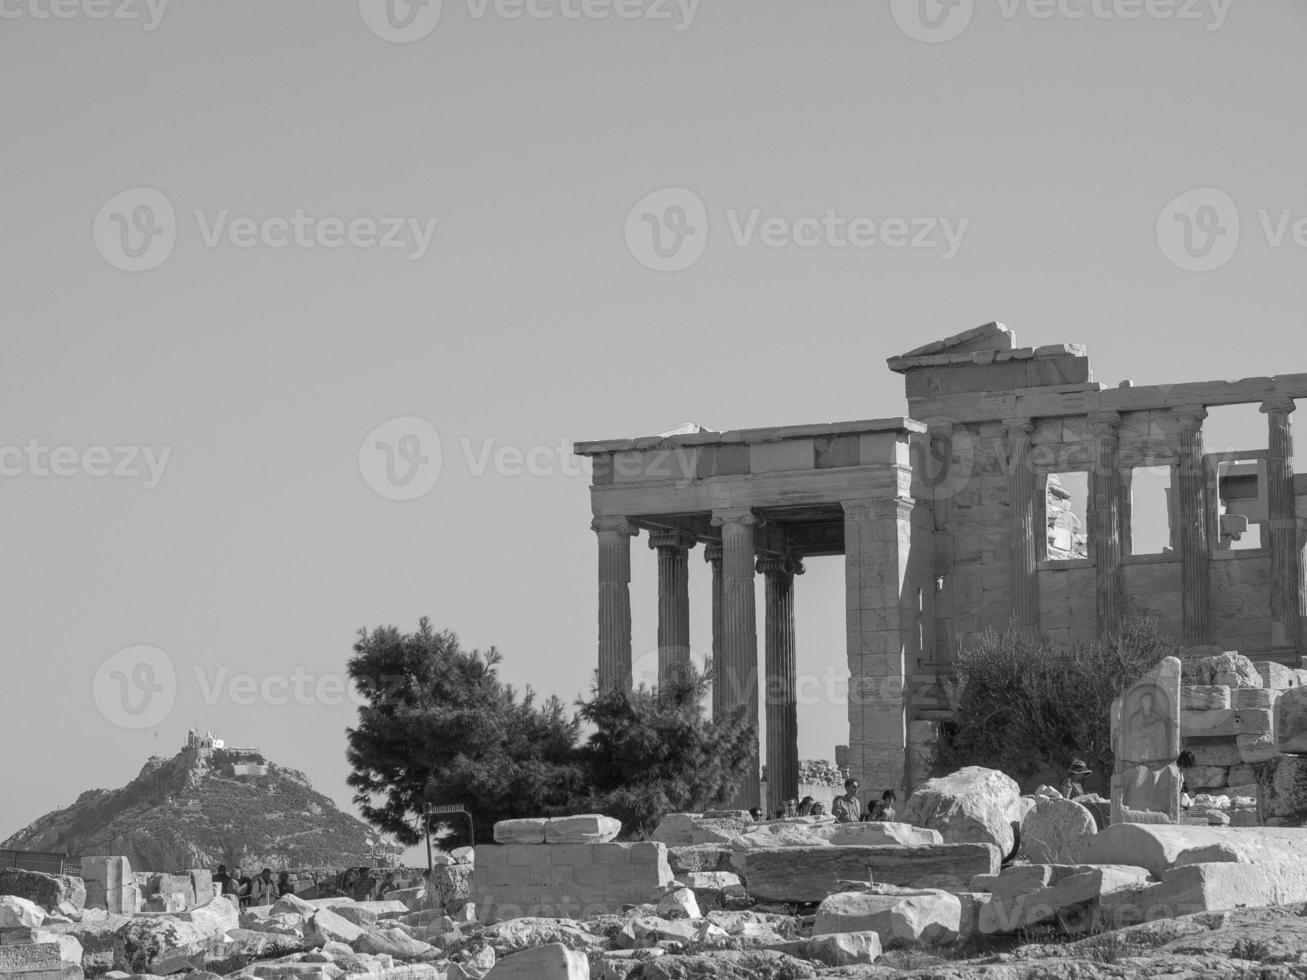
(653, 489)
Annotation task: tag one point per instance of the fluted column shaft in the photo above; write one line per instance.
(1286, 556)
(673, 549)
(712, 554)
(1105, 529)
(615, 535)
(1024, 584)
(782, 679)
(738, 673)
(1191, 524)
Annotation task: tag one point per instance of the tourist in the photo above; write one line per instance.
(818, 810)
(791, 808)
(243, 892)
(263, 890)
(756, 813)
(232, 885)
(847, 808)
(805, 807)
(284, 887)
(1073, 786)
(884, 810)
(220, 879)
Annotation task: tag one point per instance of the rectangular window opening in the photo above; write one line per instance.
(1241, 505)
(1148, 513)
(1066, 510)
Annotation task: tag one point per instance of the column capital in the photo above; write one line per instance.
(712, 553)
(1190, 416)
(736, 515)
(1278, 405)
(612, 524)
(1104, 423)
(672, 540)
(1018, 426)
(865, 508)
(779, 565)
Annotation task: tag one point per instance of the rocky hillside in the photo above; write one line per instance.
(203, 807)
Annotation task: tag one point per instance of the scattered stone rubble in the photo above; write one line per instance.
(718, 895)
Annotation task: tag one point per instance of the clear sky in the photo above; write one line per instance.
(1037, 159)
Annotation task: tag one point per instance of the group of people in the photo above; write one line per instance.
(845, 809)
(259, 890)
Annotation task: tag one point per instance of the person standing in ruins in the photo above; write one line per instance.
(1072, 786)
(847, 808)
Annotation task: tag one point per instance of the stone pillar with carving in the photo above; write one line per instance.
(1105, 530)
(780, 687)
(712, 554)
(1282, 524)
(737, 673)
(673, 549)
(615, 535)
(1192, 516)
(1024, 583)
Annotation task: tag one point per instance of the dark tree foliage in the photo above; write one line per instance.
(438, 726)
(1027, 706)
(653, 752)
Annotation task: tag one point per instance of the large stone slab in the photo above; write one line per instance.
(809, 874)
(877, 832)
(1159, 847)
(1290, 729)
(780, 835)
(46, 890)
(1073, 899)
(700, 857)
(713, 827)
(1282, 787)
(898, 916)
(153, 943)
(1202, 697)
(1229, 669)
(1145, 720)
(845, 948)
(526, 831)
(1056, 832)
(586, 828)
(31, 961)
(1214, 887)
(552, 962)
(972, 805)
(19, 913)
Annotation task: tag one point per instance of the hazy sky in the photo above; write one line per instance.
(297, 298)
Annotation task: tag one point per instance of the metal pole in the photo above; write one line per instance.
(426, 821)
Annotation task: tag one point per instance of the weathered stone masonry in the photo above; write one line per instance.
(945, 523)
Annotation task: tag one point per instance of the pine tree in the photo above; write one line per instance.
(438, 726)
(653, 752)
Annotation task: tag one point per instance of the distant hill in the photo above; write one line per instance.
(205, 806)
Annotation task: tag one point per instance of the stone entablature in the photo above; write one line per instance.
(945, 522)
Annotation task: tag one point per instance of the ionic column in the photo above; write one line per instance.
(673, 549)
(1105, 530)
(1191, 523)
(712, 554)
(1024, 584)
(615, 534)
(1286, 557)
(738, 658)
(781, 679)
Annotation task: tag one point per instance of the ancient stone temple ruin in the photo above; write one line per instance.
(955, 517)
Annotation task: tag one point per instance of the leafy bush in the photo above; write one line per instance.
(1027, 706)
